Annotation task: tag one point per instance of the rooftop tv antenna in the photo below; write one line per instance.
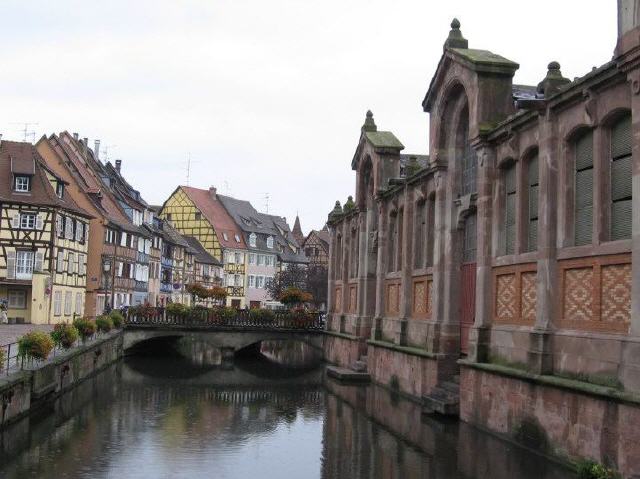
(189, 162)
(227, 188)
(107, 149)
(266, 198)
(26, 131)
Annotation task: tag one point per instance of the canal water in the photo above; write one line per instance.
(252, 417)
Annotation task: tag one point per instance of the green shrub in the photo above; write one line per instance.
(104, 324)
(64, 335)
(198, 312)
(261, 315)
(35, 345)
(593, 470)
(117, 318)
(177, 309)
(85, 327)
(224, 315)
(3, 357)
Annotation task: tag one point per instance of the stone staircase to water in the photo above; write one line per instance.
(444, 399)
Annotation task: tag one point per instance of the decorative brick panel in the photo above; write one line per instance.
(596, 293)
(393, 298)
(353, 298)
(529, 296)
(422, 288)
(515, 294)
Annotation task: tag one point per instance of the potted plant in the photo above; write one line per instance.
(64, 335)
(35, 345)
(85, 327)
(104, 324)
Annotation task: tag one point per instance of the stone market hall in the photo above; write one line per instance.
(495, 278)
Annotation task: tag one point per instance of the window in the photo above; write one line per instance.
(431, 225)
(391, 257)
(57, 303)
(205, 270)
(78, 303)
(621, 175)
(239, 281)
(420, 234)
(68, 300)
(60, 189)
(82, 265)
(110, 236)
(59, 226)
(252, 240)
(23, 183)
(509, 219)
(28, 221)
(252, 258)
(71, 264)
(583, 202)
(468, 163)
(68, 228)
(260, 260)
(252, 281)
(123, 239)
(230, 280)
(469, 240)
(270, 242)
(239, 258)
(353, 254)
(237, 238)
(532, 206)
(259, 282)
(198, 216)
(24, 264)
(119, 268)
(17, 299)
(60, 261)
(79, 231)
(224, 235)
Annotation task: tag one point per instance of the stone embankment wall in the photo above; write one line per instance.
(25, 390)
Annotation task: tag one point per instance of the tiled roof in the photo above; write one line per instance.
(322, 235)
(249, 220)
(285, 241)
(42, 192)
(201, 255)
(217, 215)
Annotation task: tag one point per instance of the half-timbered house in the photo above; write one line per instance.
(43, 240)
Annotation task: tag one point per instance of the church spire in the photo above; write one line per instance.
(297, 231)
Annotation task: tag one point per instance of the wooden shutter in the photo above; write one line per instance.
(584, 189)
(533, 174)
(510, 209)
(38, 261)
(39, 222)
(15, 221)
(621, 180)
(11, 264)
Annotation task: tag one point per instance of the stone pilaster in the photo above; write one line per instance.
(540, 355)
(330, 275)
(480, 334)
(634, 77)
(381, 268)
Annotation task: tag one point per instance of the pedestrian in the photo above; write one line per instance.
(3, 312)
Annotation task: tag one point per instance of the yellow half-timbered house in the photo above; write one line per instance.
(200, 214)
(43, 240)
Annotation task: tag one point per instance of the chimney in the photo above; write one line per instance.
(75, 136)
(213, 192)
(85, 146)
(628, 21)
(96, 149)
(118, 165)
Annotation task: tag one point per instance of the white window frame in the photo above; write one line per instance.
(60, 261)
(17, 299)
(68, 303)
(24, 264)
(238, 280)
(252, 240)
(79, 304)
(252, 281)
(259, 282)
(239, 258)
(71, 262)
(270, 242)
(28, 221)
(261, 260)
(57, 303)
(22, 183)
(252, 258)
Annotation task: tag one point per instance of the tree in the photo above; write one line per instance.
(295, 276)
(317, 284)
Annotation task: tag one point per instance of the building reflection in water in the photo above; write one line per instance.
(169, 418)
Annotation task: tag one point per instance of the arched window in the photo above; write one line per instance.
(353, 254)
(509, 220)
(583, 202)
(532, 203)
(621, 175)
(431, 224)
(420, 234)
(468, 167)
(391, 266)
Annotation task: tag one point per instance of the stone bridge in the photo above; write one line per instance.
(229, 336)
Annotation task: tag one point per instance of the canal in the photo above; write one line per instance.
(270, 414)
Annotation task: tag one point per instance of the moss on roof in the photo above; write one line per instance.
(484, 57)
(384, 139)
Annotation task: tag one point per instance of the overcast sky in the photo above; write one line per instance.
(266, 96)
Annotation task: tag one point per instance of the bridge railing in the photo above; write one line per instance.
(240, 319)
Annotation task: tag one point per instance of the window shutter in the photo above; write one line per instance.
(621, 180)
(70, 263)
(584, 190)
(11, 264)
(38, 262)
(15, 221)
(39, 222)
(60, 262)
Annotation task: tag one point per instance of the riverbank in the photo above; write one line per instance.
(32, 387)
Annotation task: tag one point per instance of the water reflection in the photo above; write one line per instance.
(170, 418)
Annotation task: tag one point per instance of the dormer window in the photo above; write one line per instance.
(237, 238)
(224, 235)
(22, 183)
(270, 242)
(60, 189)
(252, 240)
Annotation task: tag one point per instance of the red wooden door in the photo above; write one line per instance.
(468, 282)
